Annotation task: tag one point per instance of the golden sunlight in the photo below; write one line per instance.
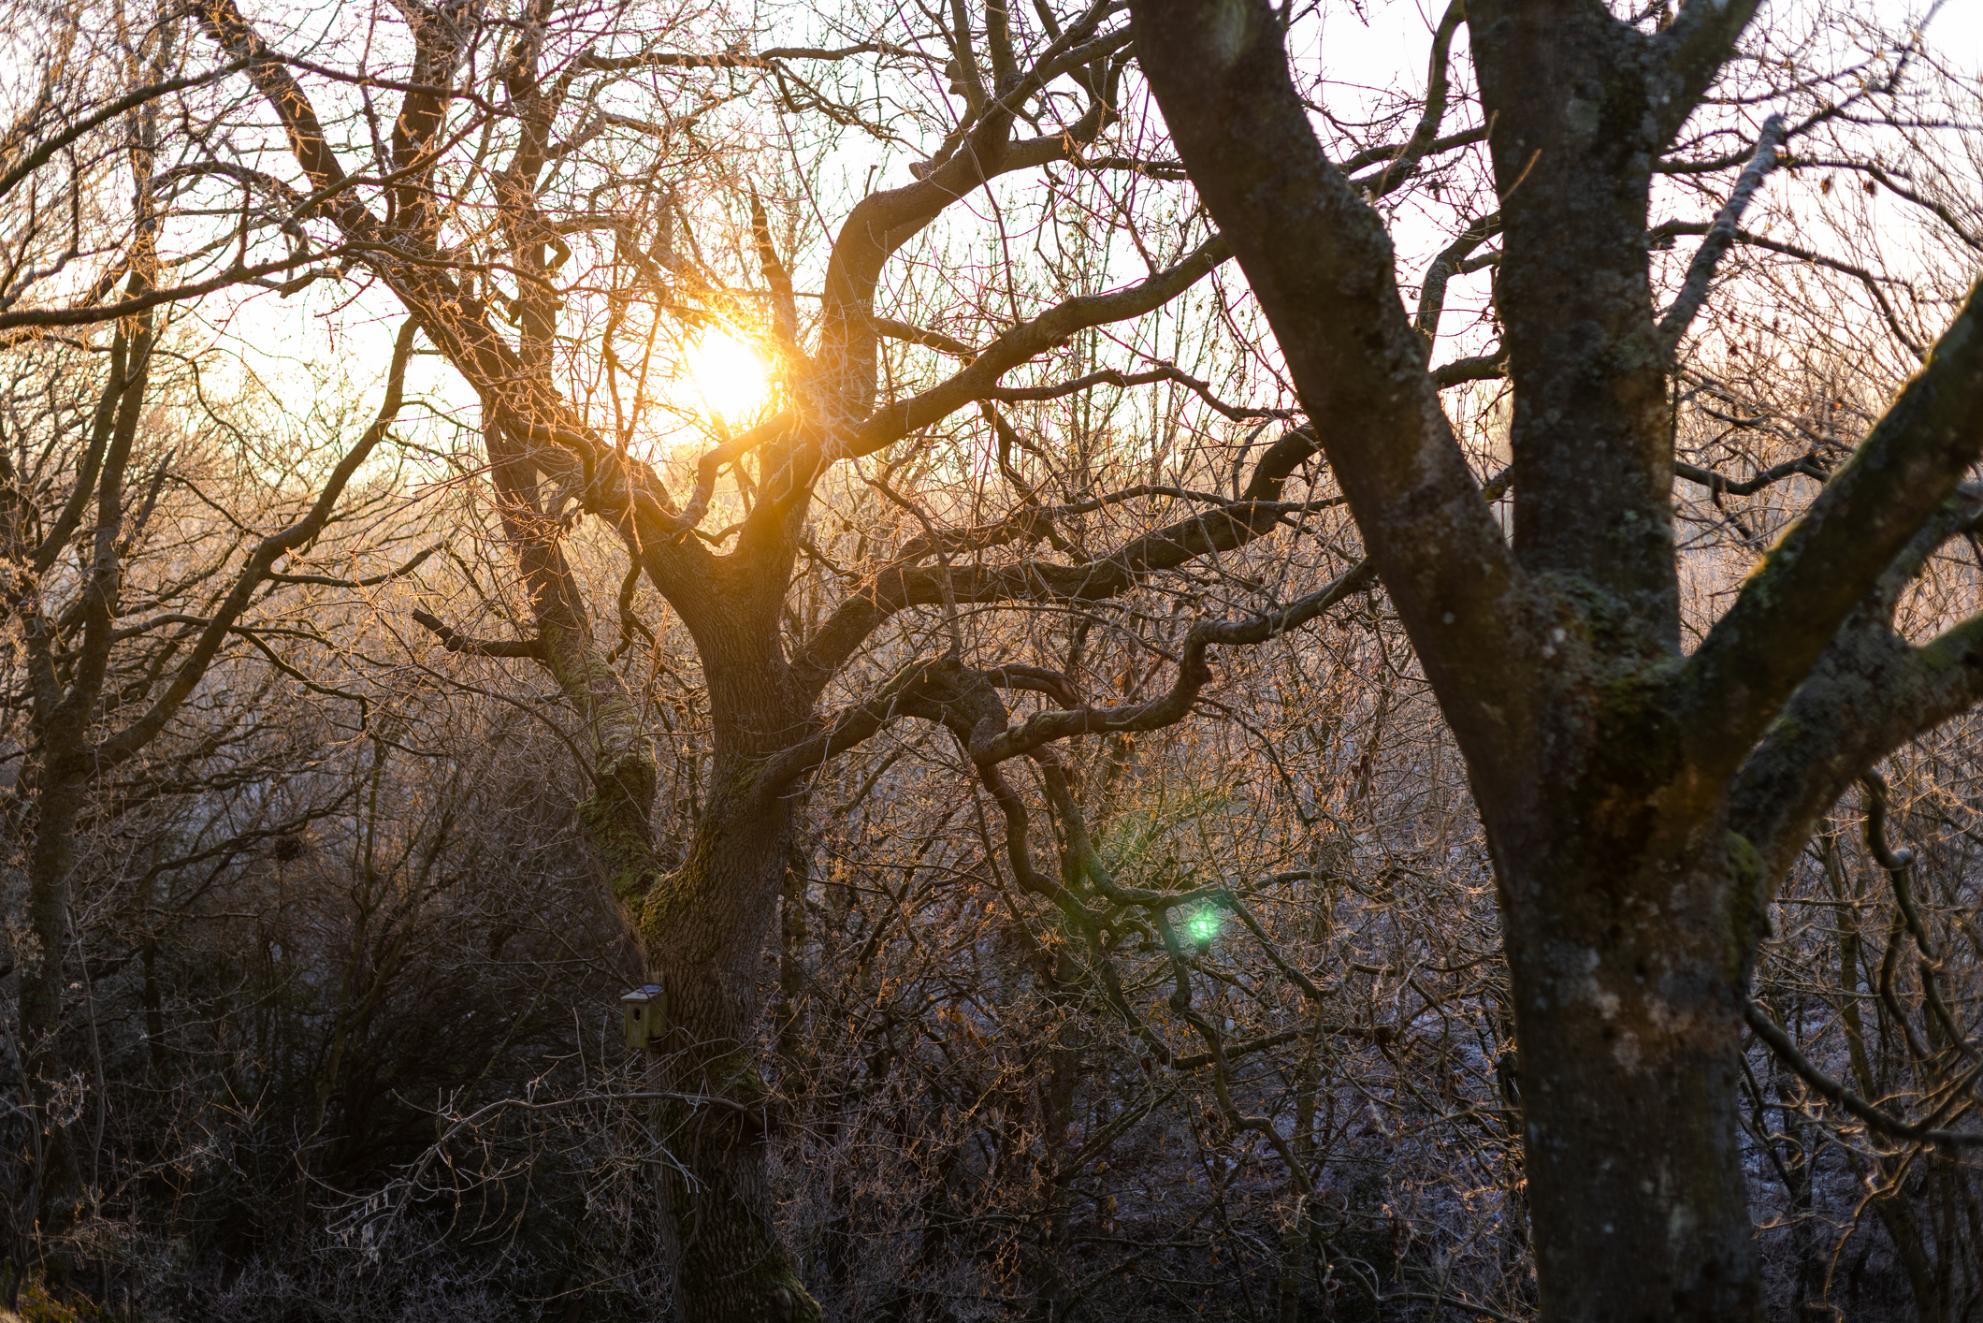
(729, 374)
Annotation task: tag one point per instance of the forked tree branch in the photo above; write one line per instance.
(125, 743)
(1831, 559)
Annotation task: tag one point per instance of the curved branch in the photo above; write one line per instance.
(1831, 559)
(1721, 484)
(901, 585)
(1192, 672)
(1836, 1093)
(455, 641)
(882, 222)
(122, 745)
(1055, 326)
(944, 691)
(1438, 84)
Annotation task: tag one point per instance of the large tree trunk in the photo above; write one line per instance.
(705, 928)
(705, 924)
(1628, 908)
(57, 800)
(1626, 968)
(51, 859)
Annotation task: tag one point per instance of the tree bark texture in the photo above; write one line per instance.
(1639, 803)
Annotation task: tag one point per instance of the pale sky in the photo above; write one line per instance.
(1387, 51)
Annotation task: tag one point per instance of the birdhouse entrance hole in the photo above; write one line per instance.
(641, 1015)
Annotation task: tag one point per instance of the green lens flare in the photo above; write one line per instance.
(1203, 925)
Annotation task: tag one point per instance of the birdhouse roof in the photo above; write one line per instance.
(645, 992)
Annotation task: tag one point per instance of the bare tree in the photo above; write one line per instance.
(120, 607)
(1124, 817)
(1027, 97)
(1641, 798)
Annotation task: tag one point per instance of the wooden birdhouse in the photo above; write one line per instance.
(641, 1012)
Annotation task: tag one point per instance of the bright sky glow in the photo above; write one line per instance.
(729, 375)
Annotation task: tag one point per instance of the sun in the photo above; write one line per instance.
(729, 375)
